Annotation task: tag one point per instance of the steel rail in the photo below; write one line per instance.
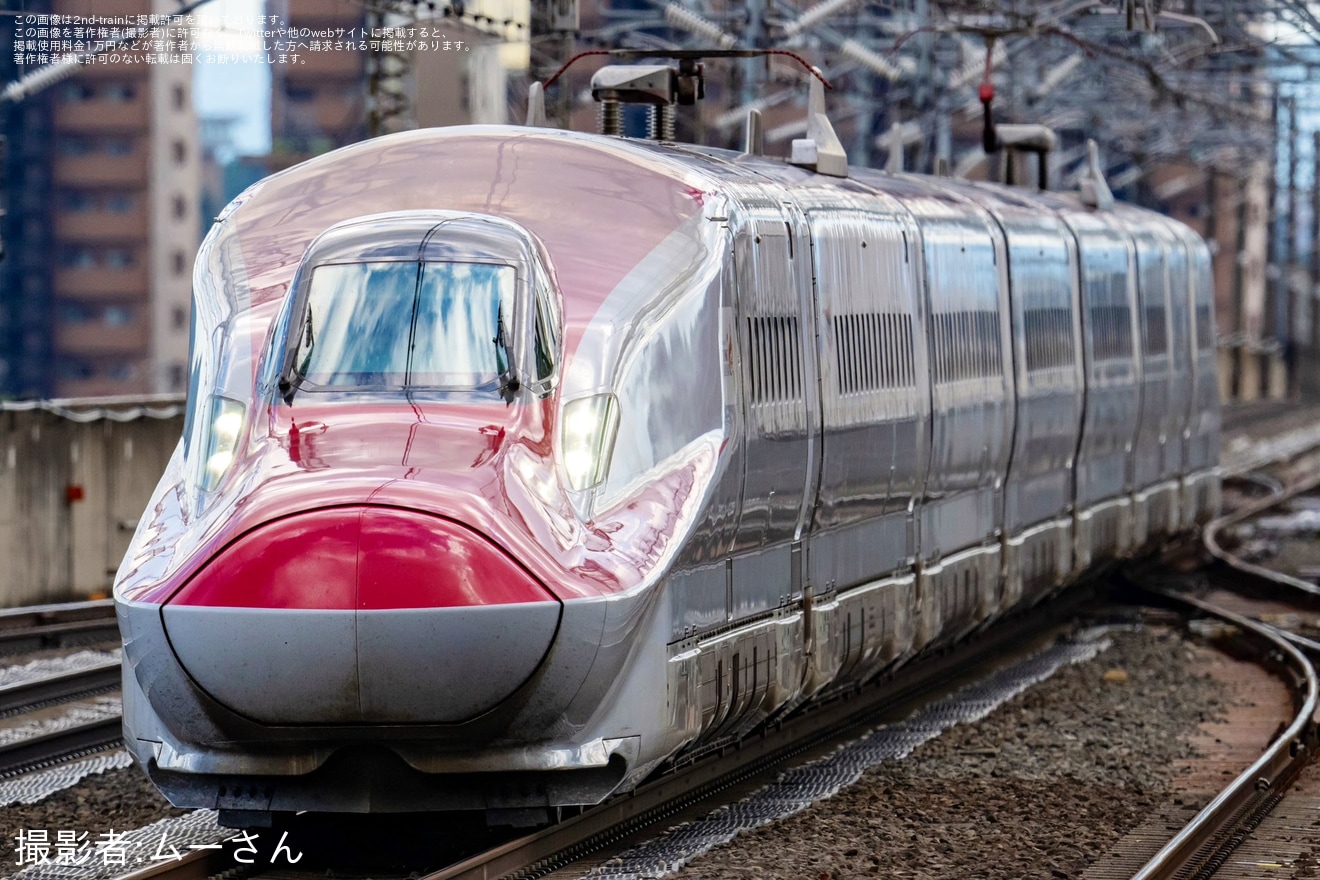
(60, 612)
(198, 864)
(1210, 538)
(101, 677)
(40, 626)
(1203, 844)
(35, 752)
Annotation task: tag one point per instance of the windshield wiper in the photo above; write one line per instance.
(509, 383)
(289, 384)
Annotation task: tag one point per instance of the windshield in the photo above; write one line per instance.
(390, 326)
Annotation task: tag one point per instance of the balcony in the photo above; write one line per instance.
(102, 226)
(98, 169)
(98, 284)
(95, 338)
(98, 116)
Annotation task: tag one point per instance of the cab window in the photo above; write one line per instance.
(406, 326)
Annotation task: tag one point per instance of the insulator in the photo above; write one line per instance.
(611, 118)
(662, 123)
(869, 59)
(815, 15)
(694, 24)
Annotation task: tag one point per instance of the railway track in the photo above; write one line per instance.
(737, 768)
(1204, 843)
(58, 708)
(540, 852)
(1261, 601)
(57, 626)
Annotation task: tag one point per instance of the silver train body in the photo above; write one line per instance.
(872, 415)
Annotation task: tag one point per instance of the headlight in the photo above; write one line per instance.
(221, 440)
(588, 433)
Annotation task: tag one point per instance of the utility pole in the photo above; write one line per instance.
(1243, 373)
(1288, 306)
(754, 37)
(921, 94)
(389, 71)
(551, 43)
(1313, 289)
(1272, 221)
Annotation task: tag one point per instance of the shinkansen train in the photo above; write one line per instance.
(518, 462)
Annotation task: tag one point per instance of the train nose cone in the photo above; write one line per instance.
(361, 615)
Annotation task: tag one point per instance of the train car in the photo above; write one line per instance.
(519, 461)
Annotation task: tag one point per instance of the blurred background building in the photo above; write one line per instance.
(1204, 109)
(103, 189)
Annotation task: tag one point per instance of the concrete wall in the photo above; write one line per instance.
(74, 478)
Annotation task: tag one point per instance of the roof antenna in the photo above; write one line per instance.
(895, 161)
(1094, 189)
(536, 105)
(754, 138)
(820, 150)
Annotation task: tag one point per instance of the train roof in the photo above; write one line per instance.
(597, 204)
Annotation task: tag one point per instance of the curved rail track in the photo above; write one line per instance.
(1203, 845)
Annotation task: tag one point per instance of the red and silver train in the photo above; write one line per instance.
(519, 461)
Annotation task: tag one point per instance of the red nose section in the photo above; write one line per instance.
(361, 615)
(361, 558)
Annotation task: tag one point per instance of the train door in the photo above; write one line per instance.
(1201, 453)
(1103, 475)
(1180, 331)
(1038, 489)
(777, 335)
(972, 415)
(873, 398)
(1156, 421)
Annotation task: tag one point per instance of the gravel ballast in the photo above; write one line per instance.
(119, 800)
(1041, 788)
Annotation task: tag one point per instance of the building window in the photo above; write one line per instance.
(76, 92)
(180, 97)
(300, 94)
(118, 316)
(118, 146)
(180, 262)
(180, 152)
(179, 317)
(75, 312)
(73, 146)
(180, 207)
(178, 376)
(77, 258)
(118, 92)
(70, 369)
(120, 371)
(116, 258)
(119, 203)
(78, 200)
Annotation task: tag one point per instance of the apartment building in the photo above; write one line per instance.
(104, 224)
